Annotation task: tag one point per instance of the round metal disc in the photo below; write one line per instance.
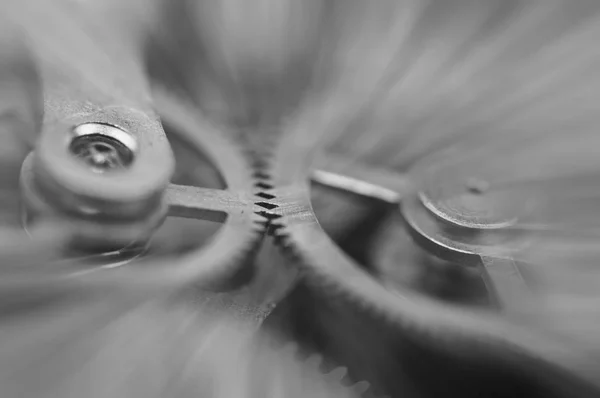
(462, 200)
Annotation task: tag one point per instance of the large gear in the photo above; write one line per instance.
(516, 342)
(556, 358)
(457, 331)
(269, 191)
(104, 291)
(194, 353)
(225, 260)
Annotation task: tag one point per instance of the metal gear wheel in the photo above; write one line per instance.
(100, 168)
(129, 204)
(458, 332)
(103, 164)
(541, 353)
(194, 353)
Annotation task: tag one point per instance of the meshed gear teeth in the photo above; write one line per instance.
(335, 376)
(264, 195)
(260, 221)
(442, 327)
(263, 185)
(223, 263)
(278, 231)
(264, 207)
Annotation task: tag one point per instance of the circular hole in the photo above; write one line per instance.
(103, 147)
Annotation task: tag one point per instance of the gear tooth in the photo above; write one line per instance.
(261, 175)
(336, 376)
(279, 237)
(259, 225)
(258, 218)
(260, 163)
(277, 227)
(274, 217)
(234, 270)
(267, 205)
(263, 188)
(267, 215)
(263, 185)
(306, 371)
(265, 195)
(261, 221)
(258, 191)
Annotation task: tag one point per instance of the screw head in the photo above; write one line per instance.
(103, 147)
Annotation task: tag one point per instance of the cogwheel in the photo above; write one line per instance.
(556, 359)
(224, 262)
(298, 375)
(244, 228)
(336, 375)
(456, 331)
(164, 348)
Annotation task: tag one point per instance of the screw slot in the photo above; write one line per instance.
(103, 147)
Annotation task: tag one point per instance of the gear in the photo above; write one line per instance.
(225, 259)
(82, 90)
(277, 198)
(457, 332)
(437, 110)
(101, 348)
(301, 375)
(224, 263)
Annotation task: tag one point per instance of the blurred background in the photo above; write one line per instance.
(502, 89)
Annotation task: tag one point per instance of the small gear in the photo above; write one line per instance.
(225, 259)
(78, 94)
